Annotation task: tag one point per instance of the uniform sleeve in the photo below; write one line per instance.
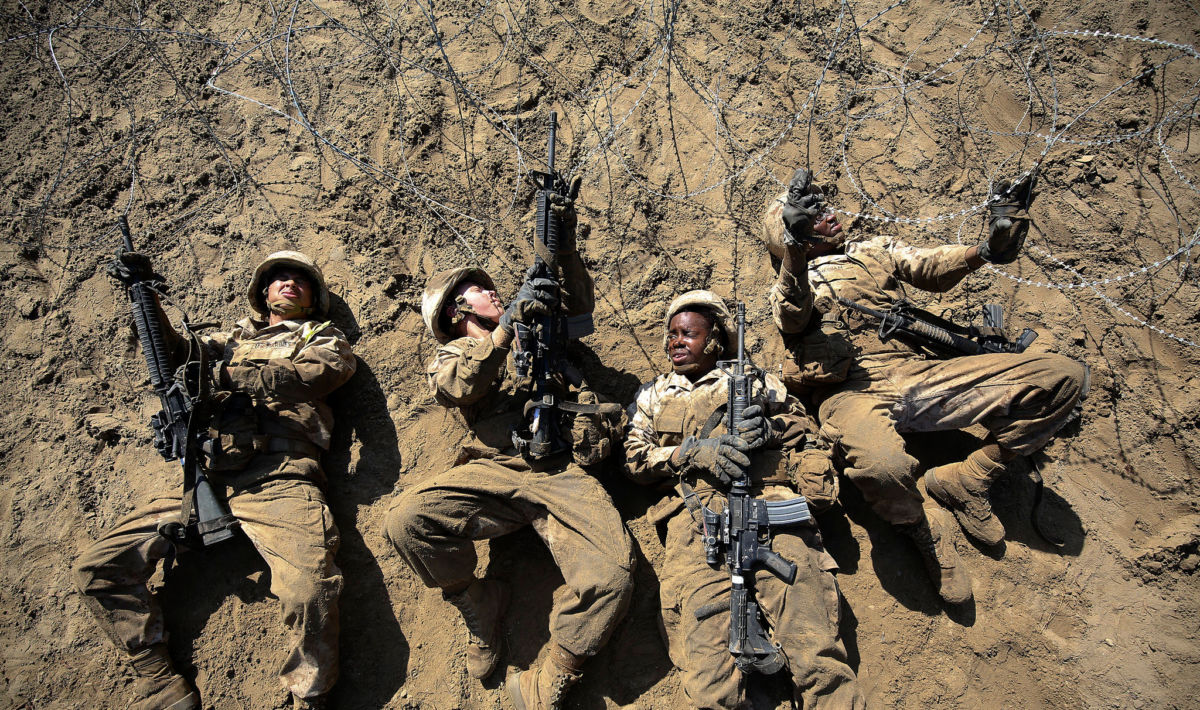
(463, 370)
(215, 342)
(645, 461)
(934, 269)
(791, 301)
(324, 363)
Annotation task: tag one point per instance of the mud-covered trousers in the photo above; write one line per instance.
(1021, 399)
(803, 618)
(286, 519)
(433, 524)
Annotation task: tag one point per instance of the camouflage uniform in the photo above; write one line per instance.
(287, 370)
(494, 491)
(803, 616)
(1022, 399)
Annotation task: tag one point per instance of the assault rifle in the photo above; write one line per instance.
(938, 337)
(542, 346)
(181, 425)
(742, 533)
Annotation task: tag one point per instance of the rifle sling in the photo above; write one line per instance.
(713, 420)
(221, 523)
(542, 251)
(607, 408)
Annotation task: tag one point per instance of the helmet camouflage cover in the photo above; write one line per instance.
(296, 260)
(439, 287)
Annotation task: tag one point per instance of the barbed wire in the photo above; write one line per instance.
(379, 90)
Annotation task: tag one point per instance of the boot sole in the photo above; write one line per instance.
(513, 684)
(935, 488)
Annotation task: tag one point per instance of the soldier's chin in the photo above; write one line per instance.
(836, 239)
(688, 368)
(286, 308)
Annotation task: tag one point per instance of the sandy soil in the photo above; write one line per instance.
(390, 140)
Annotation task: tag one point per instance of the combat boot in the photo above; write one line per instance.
(934, 538)
(963, 487)
(482, 606)
(543, 688)
(159, 686)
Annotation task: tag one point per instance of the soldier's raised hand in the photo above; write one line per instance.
(1008, 222)
(563, 206)
(802, 208)
(130, 266)
(537, 297)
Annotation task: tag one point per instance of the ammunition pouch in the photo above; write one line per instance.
(235, 438)
(815, 478)
(819, 358)
(231, 434)
(597, 428)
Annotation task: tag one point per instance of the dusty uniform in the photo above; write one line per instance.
(804, 615)
(272, 481)
(494, 491)
(1022, 399)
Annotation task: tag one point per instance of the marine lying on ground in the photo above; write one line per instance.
(261, 428)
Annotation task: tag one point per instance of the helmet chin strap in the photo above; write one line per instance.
(287, 307)
(462, 309)
(689, 369)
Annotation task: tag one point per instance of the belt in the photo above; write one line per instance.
(280, 445)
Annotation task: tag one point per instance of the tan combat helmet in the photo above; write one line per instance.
(439, 286)
(707, 300)
(294, 259)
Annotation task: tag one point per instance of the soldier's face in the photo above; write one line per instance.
(687, 335)
(290, 290)
(481, 301)
(828, 226)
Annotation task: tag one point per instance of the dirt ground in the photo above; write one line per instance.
(390, 140)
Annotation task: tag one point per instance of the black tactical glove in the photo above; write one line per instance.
(536, 298)
(724, 456)
(802, 209)
(563, 207)
(1008, 222)
(130, 266)
(755, 428)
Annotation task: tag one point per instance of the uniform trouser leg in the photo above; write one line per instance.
(863, 427)
(1022, 399)
(290, 525)
(433, 526)
(804, 617)
(112, 575)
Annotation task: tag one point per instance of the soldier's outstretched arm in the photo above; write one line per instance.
(791, 296)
